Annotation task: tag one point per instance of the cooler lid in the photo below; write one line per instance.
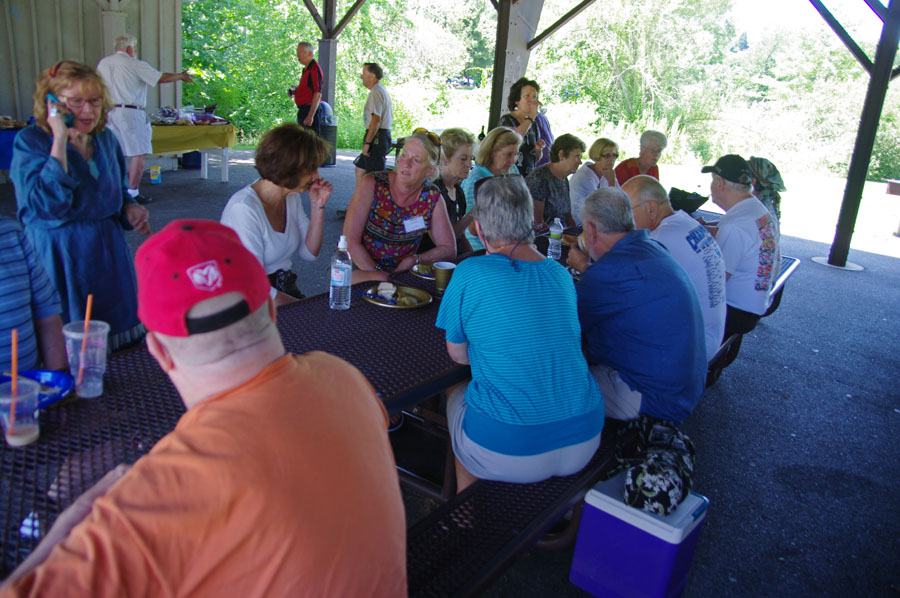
(608, 497)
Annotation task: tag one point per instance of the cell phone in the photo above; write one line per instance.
(68, 118)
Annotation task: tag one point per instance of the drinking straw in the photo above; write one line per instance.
(87, 326)
(14, 387)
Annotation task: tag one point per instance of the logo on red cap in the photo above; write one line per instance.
(206, 276)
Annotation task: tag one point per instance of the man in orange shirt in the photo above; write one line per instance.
(278, 481)
(652, 145)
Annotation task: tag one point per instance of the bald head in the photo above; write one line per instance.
(649, 201)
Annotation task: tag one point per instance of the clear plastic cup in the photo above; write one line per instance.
(19, 412)
(87, 351)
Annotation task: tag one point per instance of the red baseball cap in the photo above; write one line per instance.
(190, 261)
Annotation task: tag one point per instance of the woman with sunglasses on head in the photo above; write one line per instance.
(457, 147)
(268, 214)
(392, 210)
(71, 187)
(532, 409)
(593, 175)
(496, 156)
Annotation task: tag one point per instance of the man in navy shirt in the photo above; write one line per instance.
(641, 322)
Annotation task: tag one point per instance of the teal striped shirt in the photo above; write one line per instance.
(531, 391)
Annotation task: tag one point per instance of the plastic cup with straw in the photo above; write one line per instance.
(19, 403)
(86, 347)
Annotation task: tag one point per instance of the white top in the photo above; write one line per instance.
(379, 102)
(698, 253)
(581, 184)
(244, 213)
(750, 242)
(127, 78)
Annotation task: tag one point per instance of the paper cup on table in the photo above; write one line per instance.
(442, 273)
(19, 412)
(87, 352)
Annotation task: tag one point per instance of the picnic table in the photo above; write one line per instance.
(400, 351)
(206, 139)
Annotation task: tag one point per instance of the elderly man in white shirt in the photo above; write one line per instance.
(128, 79)
(692, 247)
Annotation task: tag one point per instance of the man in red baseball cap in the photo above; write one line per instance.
(278, 481)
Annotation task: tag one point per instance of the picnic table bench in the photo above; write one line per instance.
(465, 544)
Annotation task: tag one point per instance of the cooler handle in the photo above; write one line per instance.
(698, 512)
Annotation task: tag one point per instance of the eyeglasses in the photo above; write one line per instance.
(608, 156)
(433, 137)
(78, 103)
(653, 150)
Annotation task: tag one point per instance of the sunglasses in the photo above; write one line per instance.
(609, 155)
(433, 137)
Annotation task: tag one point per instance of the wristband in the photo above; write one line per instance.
(367, 143)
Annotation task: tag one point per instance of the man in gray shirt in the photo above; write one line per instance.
(378, 117)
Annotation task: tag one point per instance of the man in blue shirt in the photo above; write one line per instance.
(28, 303)
(641, 322)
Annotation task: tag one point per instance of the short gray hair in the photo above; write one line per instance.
(736, 187)
(648, 189)
(210, 347)
(125, 41)
(504, 209)
(307, 45)
(609, 209)
(650, 136)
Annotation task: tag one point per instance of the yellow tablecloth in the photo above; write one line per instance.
(175, 139)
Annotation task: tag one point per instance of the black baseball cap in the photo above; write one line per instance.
(732, 167)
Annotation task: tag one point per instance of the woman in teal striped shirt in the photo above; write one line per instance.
(531, 410)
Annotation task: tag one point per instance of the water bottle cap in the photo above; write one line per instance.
(342, 243)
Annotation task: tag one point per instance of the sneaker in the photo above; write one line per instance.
(143, 200)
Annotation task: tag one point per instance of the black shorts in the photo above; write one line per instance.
(378, 149)
(738, 320)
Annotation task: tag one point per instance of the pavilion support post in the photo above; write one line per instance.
(865, 138)
(497, 82)
(327, 56)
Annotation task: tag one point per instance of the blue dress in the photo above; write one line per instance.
(75, 222)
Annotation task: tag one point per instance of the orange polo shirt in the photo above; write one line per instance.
(283, 486)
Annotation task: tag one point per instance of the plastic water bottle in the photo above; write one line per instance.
(341, 269)
(554, 251)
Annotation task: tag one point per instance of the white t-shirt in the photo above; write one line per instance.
(379, 102)
(581, 184)
(127, 78)
(750, 243)
(698, 253)
(244, 213)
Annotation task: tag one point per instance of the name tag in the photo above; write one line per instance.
(411, 225)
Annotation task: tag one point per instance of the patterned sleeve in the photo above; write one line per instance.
(44, 298)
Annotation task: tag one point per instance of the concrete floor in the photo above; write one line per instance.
(795, 443)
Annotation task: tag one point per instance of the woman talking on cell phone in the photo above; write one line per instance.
(71, 194)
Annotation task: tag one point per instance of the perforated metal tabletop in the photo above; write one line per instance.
(400, 351)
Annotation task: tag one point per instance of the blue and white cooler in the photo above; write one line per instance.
(626, 552)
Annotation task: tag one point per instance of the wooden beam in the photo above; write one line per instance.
(844, 36)
(562, 21)
(350, 14)
(316, 17)
(503, 16)
(878, 8)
